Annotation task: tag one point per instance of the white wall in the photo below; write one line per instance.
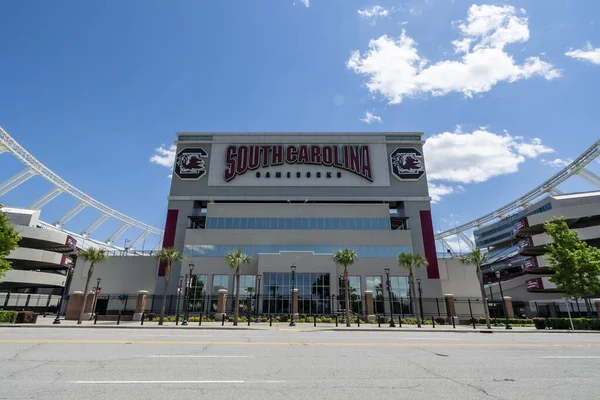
(120, 275)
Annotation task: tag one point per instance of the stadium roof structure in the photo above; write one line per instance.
(550, 186)
(34, 167)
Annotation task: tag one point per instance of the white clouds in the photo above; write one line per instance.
(395, 69)
(588, 53)
(164, 156)
(557, 163)
(370, 118)
(374, 12)
(437, 191)
(477, 156)
(306, 3)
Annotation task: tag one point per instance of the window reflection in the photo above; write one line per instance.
(314, 294)
(298, 223)
(215, 250)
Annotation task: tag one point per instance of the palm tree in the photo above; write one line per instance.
(346, 258)
(412, 262)
(235, 260)
(477, 258)
(167, 255)
(93, 256)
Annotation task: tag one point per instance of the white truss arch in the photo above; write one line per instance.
(576, 167)
(34, 167)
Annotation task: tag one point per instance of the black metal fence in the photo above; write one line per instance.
(206, 304)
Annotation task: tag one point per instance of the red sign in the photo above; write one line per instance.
(244, 158)
(535, 284)
(71, 242)
(66, 261)
(521, 224)
(530, 263)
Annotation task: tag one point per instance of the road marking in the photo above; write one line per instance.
(193, 356)
(332, 344)
(174, 335)
(161, 382)
(569, 357)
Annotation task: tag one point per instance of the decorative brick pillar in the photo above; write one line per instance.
(597, 303)
(508, 307)
(89, 304)
(140, 306)
(74, 306)
(221, 304)
(450, 308)
(295, 303)
(369, 306)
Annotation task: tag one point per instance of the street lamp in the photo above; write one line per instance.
(258, 277)
(62, 295)
(503, 302)
(178, 297)
(293, 268)
(94, 312)
(420, 298)
(495, 308)
(186, 298)
(389, 288)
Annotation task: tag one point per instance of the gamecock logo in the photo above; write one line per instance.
(407, 164)
(190, 163)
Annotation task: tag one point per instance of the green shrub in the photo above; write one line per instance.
(8, 317)
(25, 317)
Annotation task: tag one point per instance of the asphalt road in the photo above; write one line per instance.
(88, 363)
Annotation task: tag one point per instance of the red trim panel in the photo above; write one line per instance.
(169, 236)
(433, 271)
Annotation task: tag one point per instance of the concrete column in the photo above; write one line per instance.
(89, 304)
(221, 304)
(74, 306)
(508, 308)
(140, 306)
(597, 303)
(450, 308)
(369, 306)
(295, 303)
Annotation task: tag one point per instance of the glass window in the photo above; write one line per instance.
(351, 223)
(330, 223)
(313, 223)
(220, 223)
(343, 223)
(220, 282)
(320, 223)
(228, 223)
(305, 223)
(243, 223)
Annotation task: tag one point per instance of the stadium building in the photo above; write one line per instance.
(294, 199)
(516, 250)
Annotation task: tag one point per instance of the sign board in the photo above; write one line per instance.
(298, 164)
(407, 164)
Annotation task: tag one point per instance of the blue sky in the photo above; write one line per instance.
(502, 88)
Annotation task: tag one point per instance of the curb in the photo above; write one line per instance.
(300, 329)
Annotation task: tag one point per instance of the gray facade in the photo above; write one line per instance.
(296, 198)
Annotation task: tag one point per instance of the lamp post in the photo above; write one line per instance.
(389, 288)
(186, 299)
(258, 278)
(94, 312)
(503, 302)
(495, 308)
(62, 294)
(178, 297)
(293, 268)
(420, 298)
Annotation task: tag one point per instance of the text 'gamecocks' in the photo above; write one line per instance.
(244, 158)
